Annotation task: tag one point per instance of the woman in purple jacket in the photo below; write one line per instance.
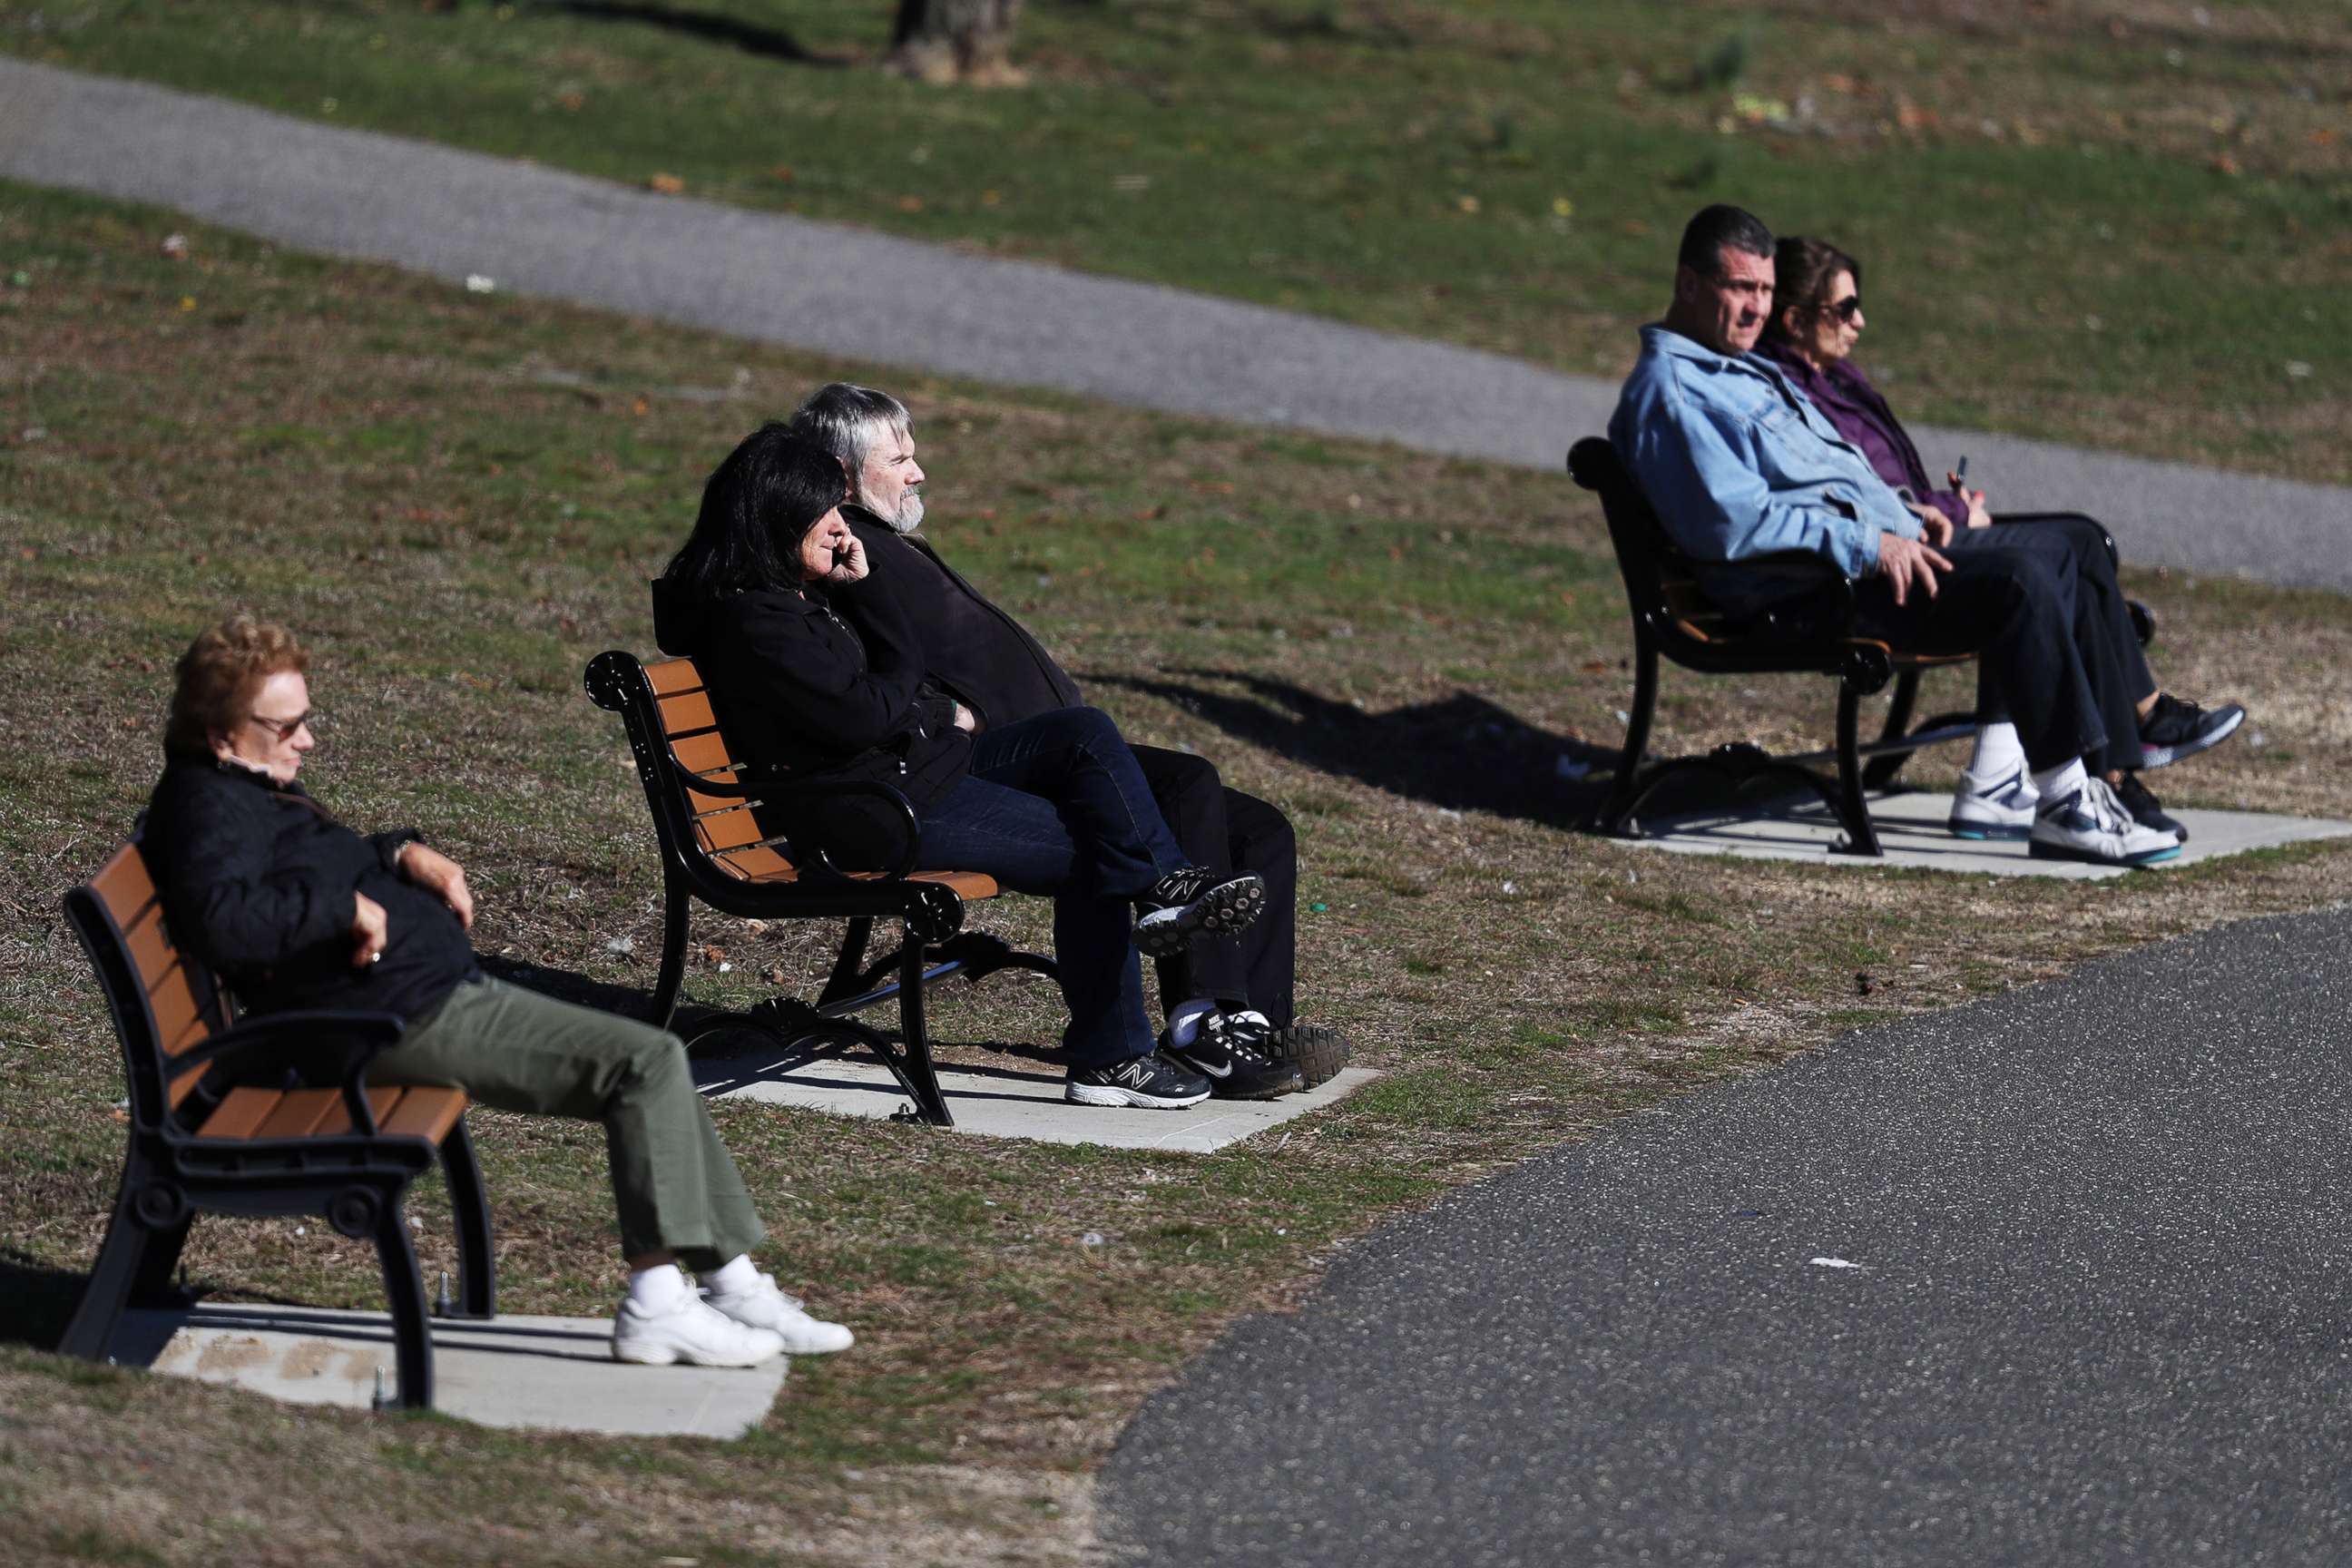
(1816, 320)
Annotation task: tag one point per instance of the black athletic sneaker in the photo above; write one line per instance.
(1230, 1049)
(1149, 1080)
(2174, 729)
(1319, 1052)
(2146, 809)
(1184, 903)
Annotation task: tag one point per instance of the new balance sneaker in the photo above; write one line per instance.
(689, 1330)
(2174, 729)
(1230, 1050)
(1184, 903)
(2146, 809)
(763, 1306)
(2001, 810)
(1317, 1052)
(1151, 1081)
(2090, 824)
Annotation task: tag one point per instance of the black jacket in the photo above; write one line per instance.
(257, 882)
(797, 692)
(969, 646)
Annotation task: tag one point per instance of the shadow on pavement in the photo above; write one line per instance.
(766, 43)
(1463, 753)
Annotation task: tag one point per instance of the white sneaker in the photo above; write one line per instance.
(2091, 824)
(763, 1306)
(690, 1331)
(2001, 809)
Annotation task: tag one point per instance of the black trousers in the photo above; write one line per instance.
(2038, 602)
(2120, 677)
(1228, 831)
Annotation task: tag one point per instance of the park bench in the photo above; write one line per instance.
(1812, 630)
(260, 1116)
(713, 849)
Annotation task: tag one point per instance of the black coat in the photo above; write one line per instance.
(971, 647)
(257, 882)
(798, 691)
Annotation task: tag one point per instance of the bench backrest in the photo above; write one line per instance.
(1661, 582)
(164, 1002)
(674, 737)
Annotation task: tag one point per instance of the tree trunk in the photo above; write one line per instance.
(957, 40)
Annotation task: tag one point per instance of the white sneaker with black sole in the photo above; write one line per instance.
(1188, 902)
(2090, 824)
(1150, 1081)
(764, 1306)
(2001, 809)
(689, 1330)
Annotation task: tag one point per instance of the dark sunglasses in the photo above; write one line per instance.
(1844, 310)
(284, 729)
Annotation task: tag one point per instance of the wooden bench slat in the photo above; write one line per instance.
(701, 754)
(425, 1110)
(724, 830)
(239, 1112)
(672, 676)
(124, 886)
(172, 1001)
(149, 949)
(757, 863)
(299, 1112)
(687, 713)
(180, 1087)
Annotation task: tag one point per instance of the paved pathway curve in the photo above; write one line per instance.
(2089, 1307)
(845, 292)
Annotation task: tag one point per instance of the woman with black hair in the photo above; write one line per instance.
(1054, 805)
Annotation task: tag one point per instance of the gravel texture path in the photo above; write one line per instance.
(893, 302)
(2055, 1278)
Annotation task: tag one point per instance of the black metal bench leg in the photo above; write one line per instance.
(849, 964)
(157, 1260)
(922, 1081)
(1881, 769)
(677, 905)
(111, 1276)
(1615, 815)
(403, 1289)
(1853, 810)
(478, 1275)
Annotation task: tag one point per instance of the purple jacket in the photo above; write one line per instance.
(1846, 397)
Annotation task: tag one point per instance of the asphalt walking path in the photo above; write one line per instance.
(866, 296)
(2056, 1277)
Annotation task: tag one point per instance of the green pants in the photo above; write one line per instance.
(673, 1180)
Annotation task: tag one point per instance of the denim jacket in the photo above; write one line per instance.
(1735, 462)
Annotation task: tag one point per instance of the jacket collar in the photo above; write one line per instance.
(1662, 338)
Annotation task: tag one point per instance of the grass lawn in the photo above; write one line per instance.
(2122, 222)
(457, 498)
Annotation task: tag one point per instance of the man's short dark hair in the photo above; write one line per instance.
(1719, 228)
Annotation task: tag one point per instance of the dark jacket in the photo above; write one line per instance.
(1846, 398)
(797, 692)
(971, 647)
(257, 882)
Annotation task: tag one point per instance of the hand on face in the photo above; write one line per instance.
(830, 553)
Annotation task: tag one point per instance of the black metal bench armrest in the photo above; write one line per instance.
(810, 796)
(317, 1048)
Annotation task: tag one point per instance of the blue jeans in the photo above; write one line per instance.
(1056, 806)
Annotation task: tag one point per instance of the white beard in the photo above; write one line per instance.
(909, 515)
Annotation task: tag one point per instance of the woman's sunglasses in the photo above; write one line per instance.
(1844, 310)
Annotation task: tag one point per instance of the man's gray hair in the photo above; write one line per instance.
(840, 418)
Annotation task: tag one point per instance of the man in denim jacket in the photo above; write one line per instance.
(1737, 463)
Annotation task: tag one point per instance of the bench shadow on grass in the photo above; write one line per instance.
(764, 43)
(1463, 753)
(37, 1300)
